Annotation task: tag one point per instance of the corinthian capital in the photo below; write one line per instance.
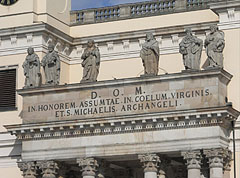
(49, 169)
(220, 157)
(193, 159)
(29, 169)
(150, 162)
(88, 166)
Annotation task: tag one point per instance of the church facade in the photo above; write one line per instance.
(143, 90)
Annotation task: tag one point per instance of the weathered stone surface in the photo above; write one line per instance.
(31, 68)
(150, 55)
(129, 143)
(219, 158)
(91, 63)
(29, 169)
(191, 49)
(150, 162)
(126, 97)
(194, 162)
(214, 45)
(49, 169)
(52, 66)
(88, 167)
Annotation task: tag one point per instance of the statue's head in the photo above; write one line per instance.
(30, 50)
(90, 43)
(213, 28)
(149, 37)
(50, 48)
(188, 31)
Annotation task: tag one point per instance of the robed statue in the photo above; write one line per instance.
(51, 65)
(31, 68)
(150, 55)
(214, 45)
(91, 62)
(191, 49)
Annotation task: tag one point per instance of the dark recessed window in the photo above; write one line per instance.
(7, 90)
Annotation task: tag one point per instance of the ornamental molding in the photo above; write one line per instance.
(49, 168)
(150, 162)
(88, 166)
(152, 122)
(29, 169)
(193, 158)
(219, 158)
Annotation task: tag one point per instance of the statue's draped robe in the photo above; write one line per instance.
(150, 57)
(91, 64)
(51, 65)
(214, 44)
(191, 49)
(31, 68)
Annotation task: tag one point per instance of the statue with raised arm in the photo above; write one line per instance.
(51, 65)
(31, 68)
(91, 62)
(214, 45)
(191, 49)
(150, 55)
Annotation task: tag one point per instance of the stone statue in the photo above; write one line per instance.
(31, 68)
(214, 45)
(51, 65)
(91, 62)
(191, 49)
(150, 55)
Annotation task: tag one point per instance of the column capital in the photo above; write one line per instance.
(193, 158)
(219, 157)
(29, 169)
(88, 166)
(150, 162)
(49, 168)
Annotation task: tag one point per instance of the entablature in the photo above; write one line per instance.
(221, 116)
(171, 101)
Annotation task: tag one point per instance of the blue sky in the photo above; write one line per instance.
(85, 4)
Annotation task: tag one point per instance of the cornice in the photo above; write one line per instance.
(221, 116)
(222, 74)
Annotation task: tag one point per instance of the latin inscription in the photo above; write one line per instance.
(117, 102)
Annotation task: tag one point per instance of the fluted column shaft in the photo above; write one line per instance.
(150, 165)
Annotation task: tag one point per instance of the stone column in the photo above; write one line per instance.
(218, 160)
(89, 167)
(150, 165)
(49, 169)
(193, 159)
(29, 169)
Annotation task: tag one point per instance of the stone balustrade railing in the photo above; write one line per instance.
(134, 10)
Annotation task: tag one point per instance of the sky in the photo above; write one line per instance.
(86, 4)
